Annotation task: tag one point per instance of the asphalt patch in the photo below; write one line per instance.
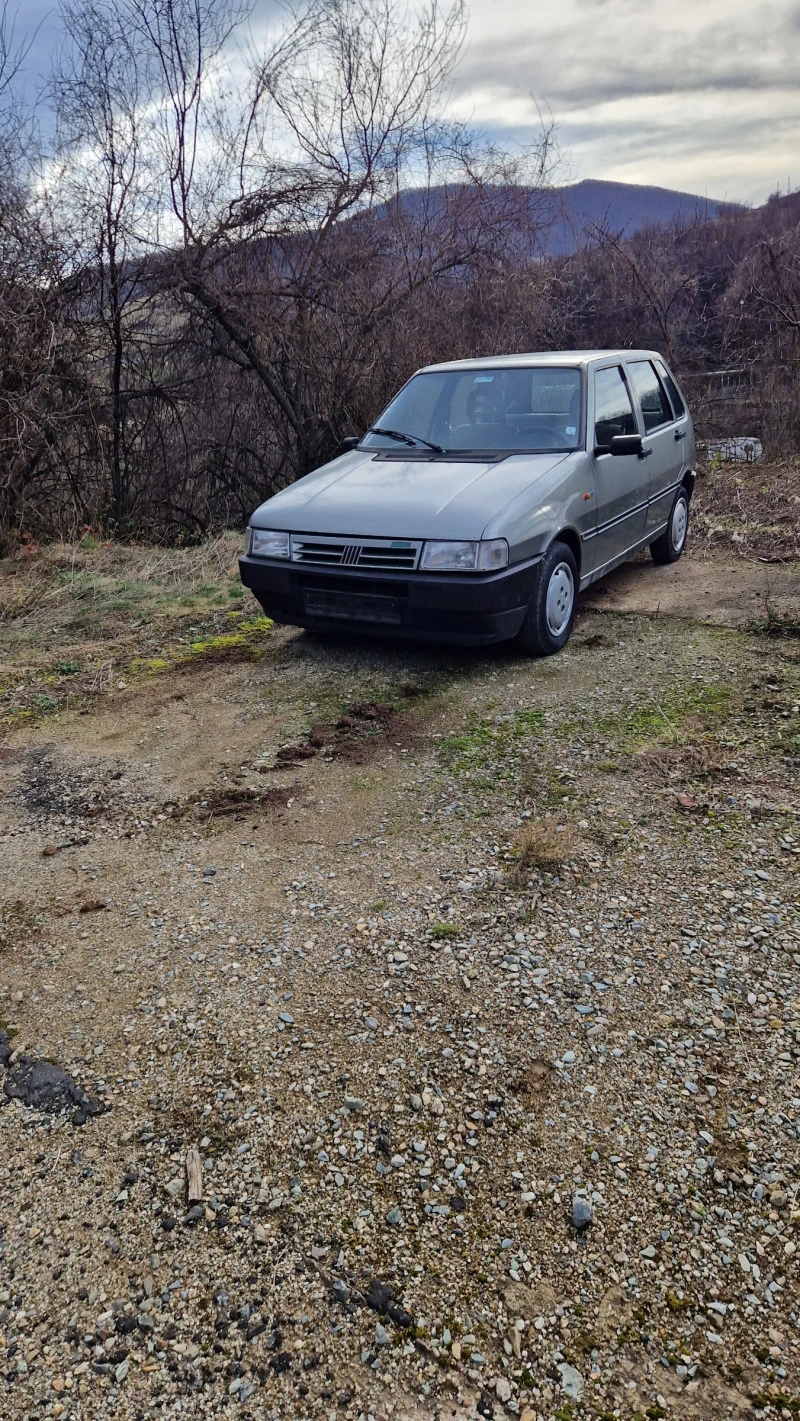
(43, 1086)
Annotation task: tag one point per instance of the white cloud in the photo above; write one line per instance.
(699, 94)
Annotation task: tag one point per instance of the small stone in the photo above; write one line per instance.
(581, 1212)
(394, 1216)
(122, 1370)
(455, 1351)
(571, 1380)
(382, 1337)
(286, 1018)
(503, 1389)
(416, 1103)
(340, 1290)
(353, 1102)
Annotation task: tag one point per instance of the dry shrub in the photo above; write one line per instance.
(705, 760)
(544, 843)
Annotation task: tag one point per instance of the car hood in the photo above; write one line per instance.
(361, 496)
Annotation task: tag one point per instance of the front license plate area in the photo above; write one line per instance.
(352, 607)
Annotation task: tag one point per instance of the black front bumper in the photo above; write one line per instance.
(471, 609)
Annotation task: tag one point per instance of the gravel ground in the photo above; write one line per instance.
(475, 985)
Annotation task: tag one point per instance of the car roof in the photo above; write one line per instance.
(545, 357)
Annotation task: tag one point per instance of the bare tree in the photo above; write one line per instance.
(297, 239)
(101, 90)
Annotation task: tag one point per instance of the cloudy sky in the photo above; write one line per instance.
(702, 95)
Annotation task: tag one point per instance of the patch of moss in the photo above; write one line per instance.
(663, 718)
(443, 931)
(585, 1343)
(246, 633)
(489, 739)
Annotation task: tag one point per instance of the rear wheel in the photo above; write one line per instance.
(551, 612)
(669, 546)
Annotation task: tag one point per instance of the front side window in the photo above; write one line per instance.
(613, 411)
(529, 409)
(676, 400)
(652, 397)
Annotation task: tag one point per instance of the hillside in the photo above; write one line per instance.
(625, 208)
(562, 219)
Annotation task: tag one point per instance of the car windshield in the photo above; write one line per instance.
(523, 409)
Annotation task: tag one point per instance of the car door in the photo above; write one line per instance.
(621, 481)
(662, 437)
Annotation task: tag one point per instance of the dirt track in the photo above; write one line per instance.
(725, 591)
(490, 943)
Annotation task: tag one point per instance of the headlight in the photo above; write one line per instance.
(465, 557)
(264, 543)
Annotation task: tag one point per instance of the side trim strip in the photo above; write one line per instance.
(598, 572)
(630, 512)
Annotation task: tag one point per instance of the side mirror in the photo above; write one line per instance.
(352, 442)
(625, 445)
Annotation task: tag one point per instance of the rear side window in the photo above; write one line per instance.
(613, 411)
(652, 397)
(672, 390)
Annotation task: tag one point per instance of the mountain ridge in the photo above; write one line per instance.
(565, 218)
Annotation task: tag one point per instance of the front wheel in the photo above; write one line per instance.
(551, 613)
(672, 541)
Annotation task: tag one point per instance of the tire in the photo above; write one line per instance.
(551, 613)
(669, 546)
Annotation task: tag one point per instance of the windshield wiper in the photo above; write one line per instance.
(411, 439)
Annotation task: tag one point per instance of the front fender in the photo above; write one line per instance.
(564, 499)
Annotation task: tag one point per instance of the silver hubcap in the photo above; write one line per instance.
(680, 518)
(560, 597)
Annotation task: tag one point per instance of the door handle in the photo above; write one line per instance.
(645, 454)
(680, 433)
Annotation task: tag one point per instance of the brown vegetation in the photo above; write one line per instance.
(206, 293)
(543, 843)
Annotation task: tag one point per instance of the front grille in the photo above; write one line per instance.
(368, 554)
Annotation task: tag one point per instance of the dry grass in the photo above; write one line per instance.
(70, 588)
(704, 760)
(543, 844)
(751, 509)
(73, 619)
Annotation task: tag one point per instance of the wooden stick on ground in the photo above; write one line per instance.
(194, 1175)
